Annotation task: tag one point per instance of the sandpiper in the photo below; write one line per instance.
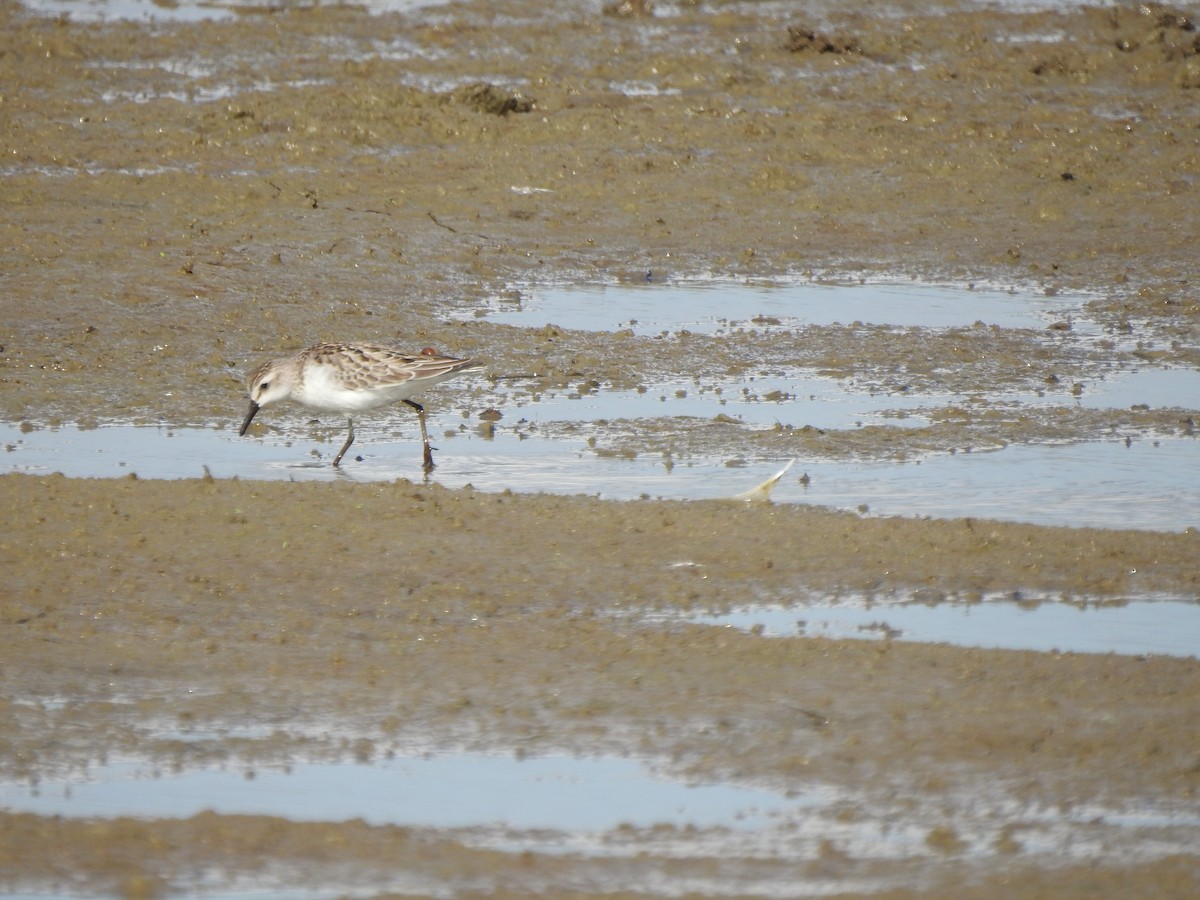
(350, 378)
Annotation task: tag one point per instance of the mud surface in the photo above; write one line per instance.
(182, 199)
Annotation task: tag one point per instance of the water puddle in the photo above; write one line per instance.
(1142, 484)
(806, 398)
(601, 806)
(558, 793)
(721, 308)
(1148, 484)
(760, 400)
(1142, 627)
(1149, 388)
(212, 10)
(186, 10)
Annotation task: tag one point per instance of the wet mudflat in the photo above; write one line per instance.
(453, 621)
(183, 198)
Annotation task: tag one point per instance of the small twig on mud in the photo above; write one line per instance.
(440, 224)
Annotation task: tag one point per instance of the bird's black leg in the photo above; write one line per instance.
(346, 446)
(424, 433)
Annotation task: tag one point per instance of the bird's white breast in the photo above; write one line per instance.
(321, 388)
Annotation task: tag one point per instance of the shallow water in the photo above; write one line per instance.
(207, 10)
(193, 11)
(1109, 484)
(803, 398)
(560, 793)
(1168, 627)
(722, 307)
(599, 805)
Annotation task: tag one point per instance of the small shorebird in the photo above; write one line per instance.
(351, 378)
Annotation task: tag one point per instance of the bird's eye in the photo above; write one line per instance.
(263, 387)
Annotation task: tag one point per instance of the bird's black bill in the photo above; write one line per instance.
(249, 418)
